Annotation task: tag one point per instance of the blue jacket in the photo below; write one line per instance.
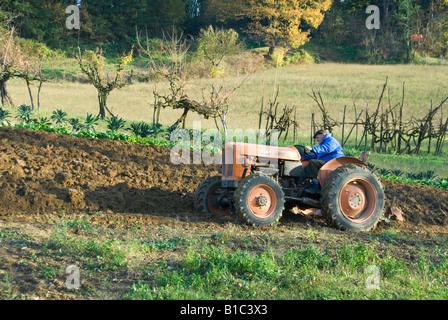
(328, 150)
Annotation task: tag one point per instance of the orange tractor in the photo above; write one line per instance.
(258, 182)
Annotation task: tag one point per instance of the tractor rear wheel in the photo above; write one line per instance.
(210, 195)
(259, 200)
(353, 198)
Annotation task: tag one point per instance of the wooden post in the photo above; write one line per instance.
(312, 128)
(400, 123)
(261, 115)
(366, 127)
(429, 131)
(356, 129)
(343, 125)
(381, 129)
(261, 111)
(295, 123)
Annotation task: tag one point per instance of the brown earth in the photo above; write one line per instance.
(43, 173)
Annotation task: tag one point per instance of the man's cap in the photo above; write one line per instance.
(319, 132)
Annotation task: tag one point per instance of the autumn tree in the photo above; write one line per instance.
(275, 22)
(93, 65)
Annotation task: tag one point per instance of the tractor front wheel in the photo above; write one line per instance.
(353, 198)
(259, 200)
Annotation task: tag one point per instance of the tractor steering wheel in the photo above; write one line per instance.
(302, 150)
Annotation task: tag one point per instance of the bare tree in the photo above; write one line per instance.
(174, 70)
(92, 64)
(10, 56)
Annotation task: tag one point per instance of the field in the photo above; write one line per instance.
(340, 85)
(122, 215)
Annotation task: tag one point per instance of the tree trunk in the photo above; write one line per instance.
(6, 98)
(102, 99)
(181, 119)
(30, 93)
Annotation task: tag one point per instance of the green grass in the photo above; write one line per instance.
(305, 274)
(231, 263)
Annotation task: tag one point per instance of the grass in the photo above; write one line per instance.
(153, 262)
(340, 84)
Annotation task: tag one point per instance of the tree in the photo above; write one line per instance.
(275, 22)
(407, 18)
(216, 44)
(13, 63)
(92, 64)
(175, 71)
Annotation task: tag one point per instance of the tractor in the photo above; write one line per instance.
(259, 182)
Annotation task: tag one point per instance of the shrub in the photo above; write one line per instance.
(300, 57)
(59, 116)
(24, 114)
(114, 123)
(4, 115)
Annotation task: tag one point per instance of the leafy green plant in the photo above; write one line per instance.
(4, 115)
(90, 122)
(75, 123)
(114, 123)
(430, 175)
(24, 114)
(43, 121)
(48, 272)
(397, 172)
(59, 117)
(141, 129)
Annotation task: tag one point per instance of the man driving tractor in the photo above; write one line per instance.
(328, 149)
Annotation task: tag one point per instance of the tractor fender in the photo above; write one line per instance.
(331, 165)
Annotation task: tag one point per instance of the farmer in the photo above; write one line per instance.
(328, 149)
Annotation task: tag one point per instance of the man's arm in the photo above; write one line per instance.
(325, 148)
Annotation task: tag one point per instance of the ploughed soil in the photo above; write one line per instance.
(43, 174)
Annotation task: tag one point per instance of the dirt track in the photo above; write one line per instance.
(44, 173)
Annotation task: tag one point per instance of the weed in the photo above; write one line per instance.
(162, 245)
(48, 271)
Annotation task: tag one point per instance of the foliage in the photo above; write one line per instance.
(75, 123)
(147, 134)
(24, 114)
(114, 123)
(43, 121)
(90, 122)
(342, 34)
(4, 116)
(408, 29)
(142, 129)
(215, 44)
(59, 116)
(276, 23)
